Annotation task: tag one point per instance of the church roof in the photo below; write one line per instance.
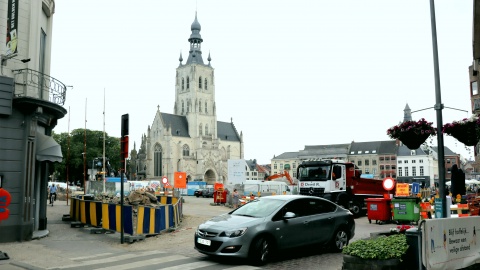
(227, 132)
(179, 124)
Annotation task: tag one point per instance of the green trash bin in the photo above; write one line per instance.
(406, 209)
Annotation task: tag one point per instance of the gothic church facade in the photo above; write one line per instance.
(191, 139)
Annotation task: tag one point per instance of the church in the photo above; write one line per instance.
(191, 139)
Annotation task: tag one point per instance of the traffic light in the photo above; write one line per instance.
(124, 147)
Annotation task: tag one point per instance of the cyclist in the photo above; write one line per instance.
(53, 193)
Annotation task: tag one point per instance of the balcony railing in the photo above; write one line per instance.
(31, 83)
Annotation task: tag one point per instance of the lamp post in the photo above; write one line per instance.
(438, 107)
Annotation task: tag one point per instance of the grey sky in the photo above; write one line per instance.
(289, 73)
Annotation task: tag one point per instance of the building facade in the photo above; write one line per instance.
(191, 139)
(31, 102)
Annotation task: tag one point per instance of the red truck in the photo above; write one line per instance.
(339, 182)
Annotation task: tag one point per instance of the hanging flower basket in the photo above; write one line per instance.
(466, 131)
(412, 133)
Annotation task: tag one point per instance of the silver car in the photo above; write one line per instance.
(260, 228)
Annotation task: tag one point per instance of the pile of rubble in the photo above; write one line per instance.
(135, 198)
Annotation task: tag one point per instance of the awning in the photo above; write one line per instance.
(48, 149)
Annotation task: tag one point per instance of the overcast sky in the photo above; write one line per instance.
(289, 73)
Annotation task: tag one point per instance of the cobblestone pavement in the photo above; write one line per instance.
(65, 244)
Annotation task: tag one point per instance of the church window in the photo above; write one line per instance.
(157, 162)
(188, 82)
(200, 82)
(200, 106)
(206, 84)
(200, 132)
(206, 129)
(183, 84)
(205, 107)
(183, 106)
(186, 150)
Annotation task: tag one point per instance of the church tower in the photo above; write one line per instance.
(195, 89)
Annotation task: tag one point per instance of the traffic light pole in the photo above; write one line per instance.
(123, 156)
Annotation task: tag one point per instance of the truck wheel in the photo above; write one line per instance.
(356, 209)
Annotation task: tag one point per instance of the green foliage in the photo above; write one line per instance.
(74, 146)
(380, 248)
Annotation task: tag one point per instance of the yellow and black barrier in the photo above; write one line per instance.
(111, 217)
(152, 220)
(91, 213)
(167, 199)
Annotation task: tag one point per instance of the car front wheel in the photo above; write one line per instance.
(261, 251)
(340, 240)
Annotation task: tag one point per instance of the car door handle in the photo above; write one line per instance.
(306, 222)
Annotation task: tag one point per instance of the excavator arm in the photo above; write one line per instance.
(279, 175)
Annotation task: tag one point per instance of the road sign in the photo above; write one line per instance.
(388, 183)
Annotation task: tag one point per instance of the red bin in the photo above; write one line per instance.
(378, 209)
(219, 197)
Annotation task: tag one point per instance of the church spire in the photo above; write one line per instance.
(195, 54)
(407, 114)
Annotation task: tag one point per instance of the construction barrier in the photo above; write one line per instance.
(149, 220)
(111, 217)
(91, 213)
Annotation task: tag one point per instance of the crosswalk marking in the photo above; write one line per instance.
(138, 264)
(190, 266)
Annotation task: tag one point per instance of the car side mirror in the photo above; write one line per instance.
(289, 215)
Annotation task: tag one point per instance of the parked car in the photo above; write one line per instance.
(208, 193)
(260, 228)
(198, 192)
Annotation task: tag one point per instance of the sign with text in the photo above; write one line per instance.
(5, 199)
(236, 171)
(180, 179)
(402, 189)
(451, 243)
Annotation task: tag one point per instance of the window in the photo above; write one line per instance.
(247, 173)
(157, 160)
(367, 162)
(353, 152)
(421, 171)
(448, 160)
(366, 152)
(381, 167)
(394, 167)
(374, 151)
(359, 163)
(406, 171)
(206, 129)
(188, 82)
(420, 161)
(381, 158)
(275, 166)
(186, 150)
(400, 171)
(205, 107)
(200, 106)
(183, 84)
(400, 161)
(414, 161)
(374, 162)
(200, 130)
(413, 152)
(474, 88)
(414, 171)
(367, 170)
(206, 84)
(387, 158)
(200, 82)
(406, 161)
(392, 158)
(281, 166)
(183, 106)
(294, 165)
(359, 152)
(387, 167)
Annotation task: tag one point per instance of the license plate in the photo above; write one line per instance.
(204, 241)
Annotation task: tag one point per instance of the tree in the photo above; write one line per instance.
(74, 156)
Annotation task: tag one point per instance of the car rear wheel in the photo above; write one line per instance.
(340, 240)
(261, 251)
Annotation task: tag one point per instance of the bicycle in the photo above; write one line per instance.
(53, 197)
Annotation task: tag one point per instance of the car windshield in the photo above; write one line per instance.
(316, 173)
(259, 208)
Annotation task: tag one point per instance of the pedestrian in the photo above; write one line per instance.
(235, 198)
(53, 193)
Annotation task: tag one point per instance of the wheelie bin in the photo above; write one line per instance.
(378, 209)
(406, 209)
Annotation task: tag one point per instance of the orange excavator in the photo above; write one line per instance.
(279, 175)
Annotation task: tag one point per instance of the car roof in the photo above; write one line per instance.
(288, 197)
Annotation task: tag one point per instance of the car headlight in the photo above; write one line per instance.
(234, 233)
